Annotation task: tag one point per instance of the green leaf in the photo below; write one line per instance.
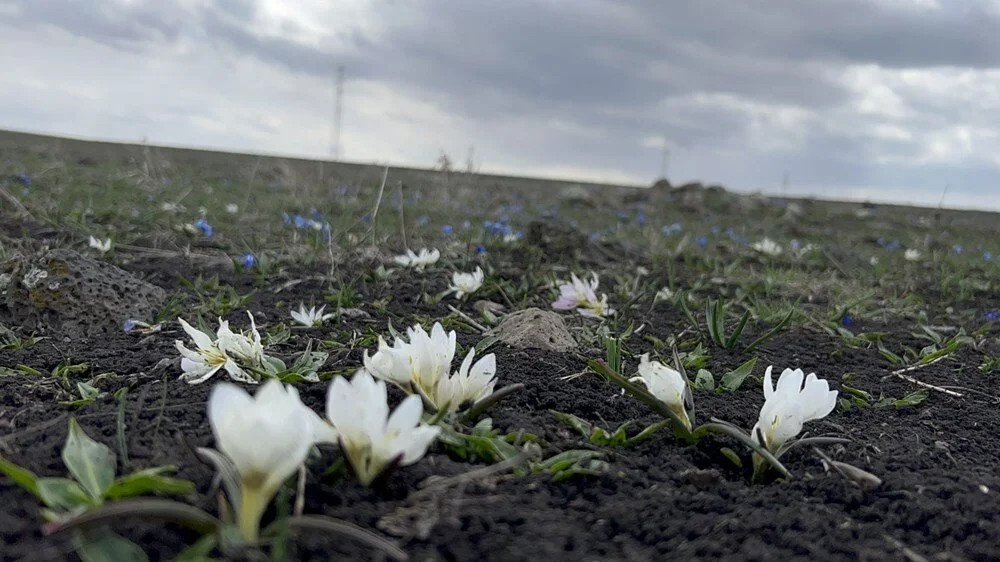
(733, 380)
(63, 493)
(732, 456)
(109, 547)
(92, 464)
(199, 551)
(581, 426)
(149, 481)
(21, 476)
(912, 399)
(772, 332)
(735, 336)
(726, 428)
(704, 380)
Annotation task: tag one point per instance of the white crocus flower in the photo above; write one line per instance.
(576, 293)
(911, 254)
(199, 365)
(373, 442)
(102, 246)
(767, 247)
(232, 208)
(267, 437)
(420, 362)
(311, 317)
(466, 283)
(246, 348)
(582, 296)
(790, 405)
(664, 294)
(667, 385)
(470, 384)
(418, 260)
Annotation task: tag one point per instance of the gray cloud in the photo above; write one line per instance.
(742, 91)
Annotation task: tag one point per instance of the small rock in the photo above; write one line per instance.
(66, 293)
(536, 329)
(701, 478)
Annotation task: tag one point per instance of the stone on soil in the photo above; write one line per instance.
(535, 329)
(62, 292)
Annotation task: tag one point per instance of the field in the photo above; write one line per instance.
(896, 307)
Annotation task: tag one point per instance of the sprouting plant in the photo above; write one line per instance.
(92, 467)
(11, 340)
(597, 435)
(715, 316)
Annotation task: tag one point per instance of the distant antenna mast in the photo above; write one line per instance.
(665, 160)
(338, 112)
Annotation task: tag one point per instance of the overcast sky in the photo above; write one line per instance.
(881, 99)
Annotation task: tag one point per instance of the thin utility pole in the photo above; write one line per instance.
(338, 112)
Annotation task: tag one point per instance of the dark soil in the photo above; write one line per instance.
(661, 500)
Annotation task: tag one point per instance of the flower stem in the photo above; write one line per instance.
(252, 505)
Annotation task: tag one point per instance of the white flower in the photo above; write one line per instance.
(246, 348)
(597, 308)
(767, 247)
(466, 283)
(232, 208)
(421, 361)
(911, 254)
(664, 294)
(418, 261)
(790, 405)
(470, 384)
(873, 261)
(266, 437)
(201, 364)
(102, 246)
(422, 365)
(576, 293)
(311, 317)
(667, 385)
(372, 440)
(583, 297)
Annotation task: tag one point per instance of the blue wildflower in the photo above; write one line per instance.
(594, 236)
(957, 248)
(300, 221)
(702, 241)
(847, 320)
(622, 215)
(130, 325)
(285, 218)
(988, 256)
(23, 179)
(480, 249)
(447, 230)
(248, 260)
(795, 244)
(640, 218)
(205, 228)
(992, 316)
(893, 246)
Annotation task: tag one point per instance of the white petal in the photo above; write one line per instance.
(199, 338)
